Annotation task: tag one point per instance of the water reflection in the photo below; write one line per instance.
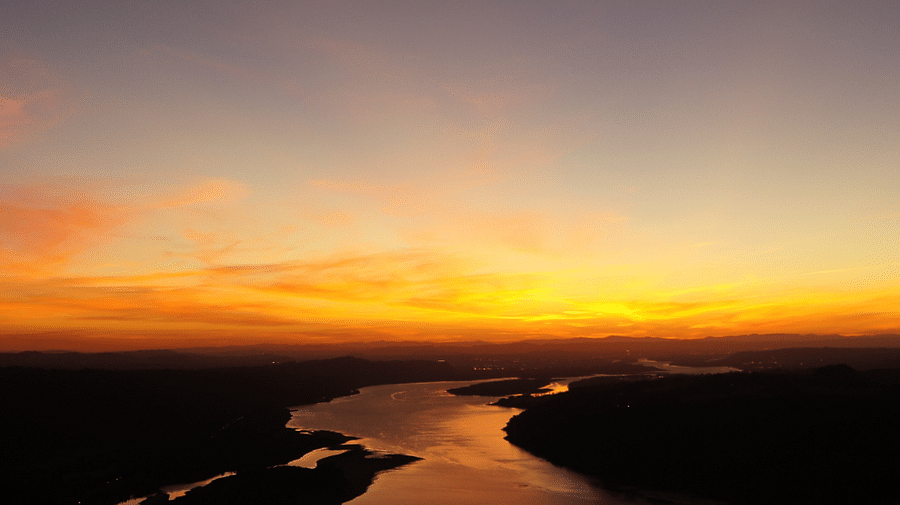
(466, 460)
(177, 490)
(558, 386)
(311, 459)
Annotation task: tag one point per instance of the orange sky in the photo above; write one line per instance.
(177, 176)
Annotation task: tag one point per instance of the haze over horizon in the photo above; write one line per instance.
(186, 174)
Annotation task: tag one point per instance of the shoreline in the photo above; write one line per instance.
(734, 438)
(271, 478)
(104, 436)
(335, 479)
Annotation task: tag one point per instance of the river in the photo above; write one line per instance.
(460, 438)
(465, 459)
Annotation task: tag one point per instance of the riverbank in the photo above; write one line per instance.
(249, 451)
(335, 479)
(465, 461)
(823, 436)
(103, 436)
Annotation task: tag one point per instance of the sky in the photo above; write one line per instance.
(175, 174)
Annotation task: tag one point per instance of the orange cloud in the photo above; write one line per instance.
(415, 284)
(528, 232)
(411, 294)
(336, 219)
(42, 227)
(521, 231)
(208, 247)
(424, 293)
(68, 303)
(375, 287)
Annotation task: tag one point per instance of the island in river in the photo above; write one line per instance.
(335, 479)
(503, 387)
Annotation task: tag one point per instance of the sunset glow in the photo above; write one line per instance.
(174, 175)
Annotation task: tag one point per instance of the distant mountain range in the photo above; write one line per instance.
(696, 352)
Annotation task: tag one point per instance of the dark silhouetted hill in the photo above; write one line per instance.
(804, 357)
(823, 436)
(136, 360)
(515, 358)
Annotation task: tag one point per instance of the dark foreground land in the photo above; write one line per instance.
(335, 479)
(821, 436)
(101, 436)
(100, 428)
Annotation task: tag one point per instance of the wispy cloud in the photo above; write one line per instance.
(379, 286)
(393, 199)
(384, 293)
(530, 232)
(64, 302)
(32, 99)
(42, 227)
(209, 191)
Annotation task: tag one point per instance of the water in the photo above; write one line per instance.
(311, 459)
(176, 490)
(460, 438)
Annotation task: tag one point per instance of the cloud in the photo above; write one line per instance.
(210, 191)
(392, 284)
(262, 295)
(76, 302)
(394, 199)
(208, 247)
(336, 219)
(32, 99)
(413, 292)
(529, 232)
(520, 231)
(356, 276)
(41, 227)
